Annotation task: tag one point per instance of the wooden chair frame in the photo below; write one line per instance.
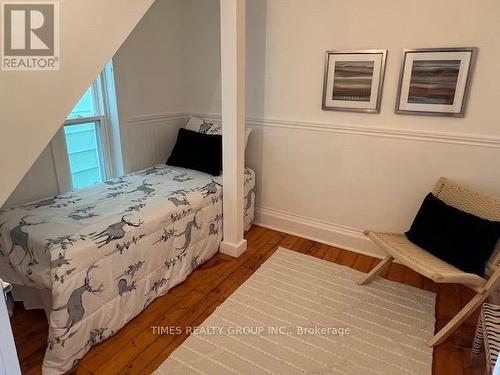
(398, 247)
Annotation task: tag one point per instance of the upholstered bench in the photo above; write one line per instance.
(487, 336)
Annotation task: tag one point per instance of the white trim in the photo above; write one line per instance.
(427, 136)
(316, 230)
(111, 122)
(61, 161)
(155, 118)
(9, 362)
(83, 120)
(233, 47)
(330, 127)
(234, 250)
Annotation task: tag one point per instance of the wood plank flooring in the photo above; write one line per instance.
(137, 350)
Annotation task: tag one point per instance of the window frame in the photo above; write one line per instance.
(107, 130)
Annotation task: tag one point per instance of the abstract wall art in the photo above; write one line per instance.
(353, 80)
(435, 81)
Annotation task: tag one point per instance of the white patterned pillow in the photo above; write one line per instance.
(209, 127)
(203, 126)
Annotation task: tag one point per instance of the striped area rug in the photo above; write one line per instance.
(298, 314)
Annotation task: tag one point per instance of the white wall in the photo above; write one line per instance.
(33, 105)
(201, 38)
(39, 182)
(151, 84)
(149, 80)
(158, 72)
(324, 175)
(328, 175)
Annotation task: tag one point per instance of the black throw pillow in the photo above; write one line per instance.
(459, 238)
(198, 151)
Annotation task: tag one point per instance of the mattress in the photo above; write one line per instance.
(106, 252)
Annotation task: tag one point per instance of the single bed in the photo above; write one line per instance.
(99, 256)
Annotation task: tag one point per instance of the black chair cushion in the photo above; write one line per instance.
(459, 238)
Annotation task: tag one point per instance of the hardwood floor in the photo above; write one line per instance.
(137, 350)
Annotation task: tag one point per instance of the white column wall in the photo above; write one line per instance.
(232, 19)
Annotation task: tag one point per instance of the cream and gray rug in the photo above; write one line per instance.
(302, 315)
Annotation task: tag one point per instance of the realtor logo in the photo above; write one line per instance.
(30, 36)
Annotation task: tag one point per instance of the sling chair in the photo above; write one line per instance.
(398, 247)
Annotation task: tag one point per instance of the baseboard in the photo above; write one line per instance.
(234, 250)
(316, 230)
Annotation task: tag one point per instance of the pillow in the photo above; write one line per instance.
(197, 124)
(207, 127)
(201, 152)
(459, 238)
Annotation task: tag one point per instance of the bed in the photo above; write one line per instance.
(97, 257)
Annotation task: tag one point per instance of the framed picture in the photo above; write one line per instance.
(435, 81)
(353, 80)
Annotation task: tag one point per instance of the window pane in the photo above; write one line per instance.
(84, 154)
(85, 107)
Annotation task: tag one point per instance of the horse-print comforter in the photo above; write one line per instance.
(108, 251)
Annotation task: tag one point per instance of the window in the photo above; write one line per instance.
(84, 144)
(87, 149)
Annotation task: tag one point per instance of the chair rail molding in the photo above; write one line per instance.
(363, 130)
(331, 127)
(153, 119)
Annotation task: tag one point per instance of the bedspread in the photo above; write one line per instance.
(108, 251)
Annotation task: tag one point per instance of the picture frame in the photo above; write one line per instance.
(435, 81)
(353, 80)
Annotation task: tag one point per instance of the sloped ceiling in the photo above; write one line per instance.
(33, 105)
